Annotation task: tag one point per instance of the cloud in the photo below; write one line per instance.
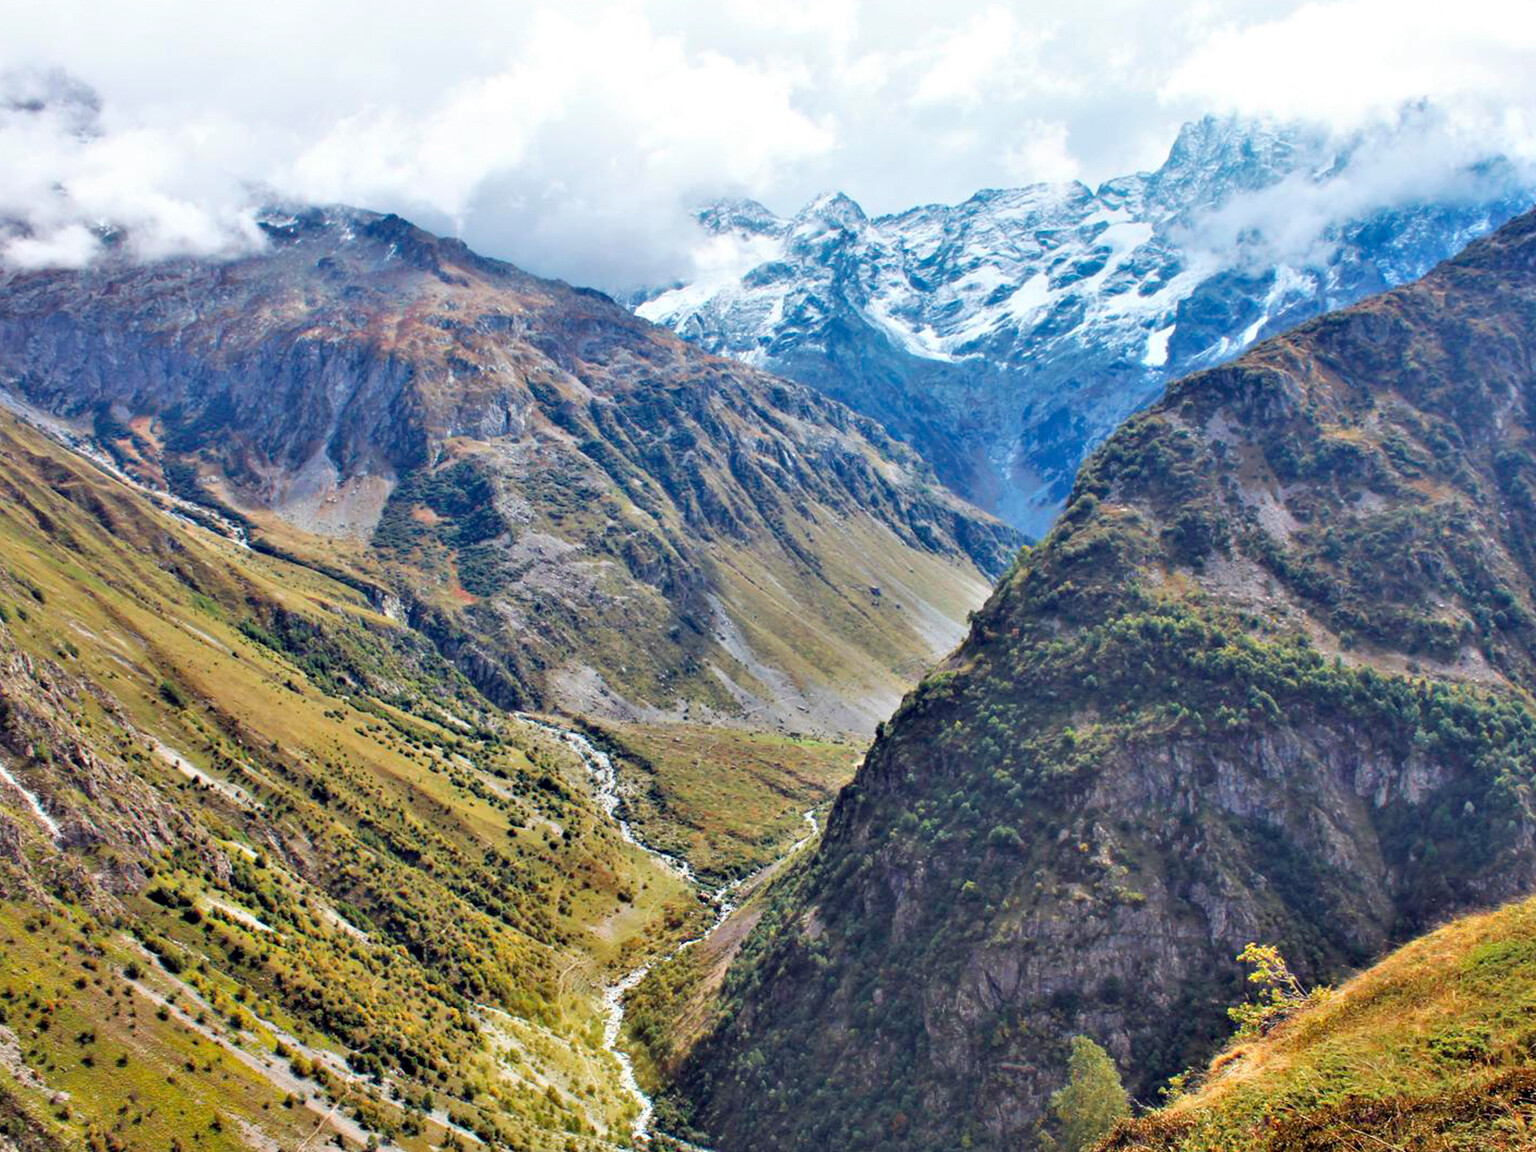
(1350, 63)
(1040, 155)
(576, 139)
(967, 61)
(584, 153)
(1423, 155)
(71, 183)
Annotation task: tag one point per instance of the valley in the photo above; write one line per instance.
(578, 509)
(1053, 672)
(273, 872)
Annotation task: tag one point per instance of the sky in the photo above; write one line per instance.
(575, 138)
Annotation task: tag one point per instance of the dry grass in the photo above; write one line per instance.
(730, 801)
(1431, 1049)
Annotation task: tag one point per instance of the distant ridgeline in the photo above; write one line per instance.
(1005, 337)
(1267, 679)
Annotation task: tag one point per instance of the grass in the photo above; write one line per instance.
(320, 826)
(1433, 1048)
(834, 630)
(130, 1075)
(729, 801)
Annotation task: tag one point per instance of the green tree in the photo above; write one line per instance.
(1087, 1106)
(1280, 992)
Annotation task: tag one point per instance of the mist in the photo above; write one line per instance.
(576, 140)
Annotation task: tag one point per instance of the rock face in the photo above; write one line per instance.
(1006, 336)
(578, 506)
(1266, 680)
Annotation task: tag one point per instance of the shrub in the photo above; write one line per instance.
(1085, 1109)
(1280, 995)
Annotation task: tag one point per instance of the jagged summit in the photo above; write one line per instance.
(1006, 335)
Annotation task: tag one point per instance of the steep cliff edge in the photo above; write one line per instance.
(1267, 679)
(578, 507)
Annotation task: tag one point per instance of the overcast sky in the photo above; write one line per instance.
(572, 138)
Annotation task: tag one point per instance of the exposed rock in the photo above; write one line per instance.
(1137, 764)
(1005, 337)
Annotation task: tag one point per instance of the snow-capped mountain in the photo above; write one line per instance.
(1006, 336)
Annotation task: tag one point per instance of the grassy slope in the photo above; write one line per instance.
(833, 629)
(1433, 1048)
(728, 801)
(329, 833)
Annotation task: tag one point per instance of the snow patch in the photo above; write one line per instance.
(33, 803)
(1157, 347)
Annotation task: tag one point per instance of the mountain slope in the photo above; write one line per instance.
(270, 869)
(1267, 679)
(579, 508)
(1430, 1048)
(1006, 336)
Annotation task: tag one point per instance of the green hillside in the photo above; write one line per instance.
(1432, 1049)
(271, 870)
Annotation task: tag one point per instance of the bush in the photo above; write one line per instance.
(1088, 1105)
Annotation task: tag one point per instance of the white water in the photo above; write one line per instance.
(606, 779)
(34, 803)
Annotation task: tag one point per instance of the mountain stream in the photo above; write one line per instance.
(605, 781)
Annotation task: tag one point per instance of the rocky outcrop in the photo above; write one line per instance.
(1267, 680)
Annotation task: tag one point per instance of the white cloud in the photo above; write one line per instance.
(1350, 62)
(1040, 155)
(969, 59)
(1420, 157)
(70, 179)
(573, 139)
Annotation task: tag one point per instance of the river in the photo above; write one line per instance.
(605, 779)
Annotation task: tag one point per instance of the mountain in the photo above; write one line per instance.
(272, 872)
(1005, 337)
(1267, 679)
(1430, 1048)
(579, 509)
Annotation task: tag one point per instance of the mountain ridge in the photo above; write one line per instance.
(1004, 336)
(508, 456)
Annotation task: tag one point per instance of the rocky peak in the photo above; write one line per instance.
(1215, 158)
(1005, 336)
(1267, 679)
(744, 216)
(833, 209)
